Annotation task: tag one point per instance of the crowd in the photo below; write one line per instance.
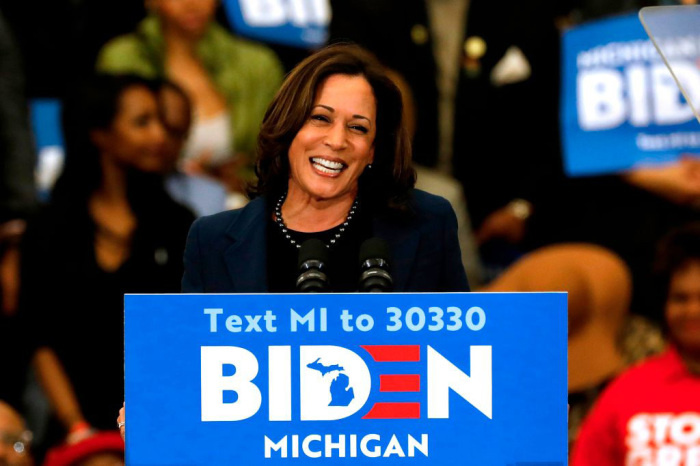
(161, 110)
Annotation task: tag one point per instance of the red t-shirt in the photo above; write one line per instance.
(649, 416)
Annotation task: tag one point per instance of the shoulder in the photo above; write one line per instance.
(215, 226)
(255, 56)
(124, 54)
(647, 373)
(241, 46)
(429, 207)
(425, 201)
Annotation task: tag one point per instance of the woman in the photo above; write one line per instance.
(333, 164)
(230, 81)
(110, 229)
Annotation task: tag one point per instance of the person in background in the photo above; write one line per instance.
(230, 81)
(651, 414)
(15, 439)
(110, 229)
(17, 201)
(202, 195)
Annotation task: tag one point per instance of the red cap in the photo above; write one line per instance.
(101, 442)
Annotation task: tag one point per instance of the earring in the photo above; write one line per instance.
(369, 166)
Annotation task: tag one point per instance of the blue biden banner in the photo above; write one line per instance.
(431, 379)
(621, 106)
(297, 23)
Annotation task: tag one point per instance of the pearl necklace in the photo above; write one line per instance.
(285, 231)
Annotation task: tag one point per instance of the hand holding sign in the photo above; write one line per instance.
(121, 422)
(678, 181)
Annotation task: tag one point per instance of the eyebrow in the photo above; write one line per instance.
(332, 110)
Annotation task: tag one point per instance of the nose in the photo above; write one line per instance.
(158, 132)
(693, 307)
(336, 137)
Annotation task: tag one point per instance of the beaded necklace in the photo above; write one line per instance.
(285, 231)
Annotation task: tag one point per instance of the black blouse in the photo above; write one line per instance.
(70, 304)
(343, 268)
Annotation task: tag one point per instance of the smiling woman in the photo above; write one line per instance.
(333, 164)
(330, 152)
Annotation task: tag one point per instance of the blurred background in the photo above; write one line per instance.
(553, 128)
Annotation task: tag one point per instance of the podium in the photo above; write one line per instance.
(268, 379)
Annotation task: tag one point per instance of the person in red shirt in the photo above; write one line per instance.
(650, 415)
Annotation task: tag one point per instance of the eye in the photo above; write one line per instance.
(360, 128)
(320, 117)
(142, 120)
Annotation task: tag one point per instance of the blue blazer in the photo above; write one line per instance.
(226, 252)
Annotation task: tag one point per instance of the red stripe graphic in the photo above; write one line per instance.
(399, 383)
(394, 411)
(394, 353)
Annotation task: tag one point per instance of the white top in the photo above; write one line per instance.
(210, 140)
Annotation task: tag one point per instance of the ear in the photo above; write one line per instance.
(371, 155)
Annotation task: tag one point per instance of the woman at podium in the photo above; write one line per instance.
(333, 164)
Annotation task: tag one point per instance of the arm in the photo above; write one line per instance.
(192, 278)
(59, 391)
(678, 182)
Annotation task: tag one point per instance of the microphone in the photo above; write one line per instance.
(313, 262)
(374, 266)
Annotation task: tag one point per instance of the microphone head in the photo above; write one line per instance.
(374, 248)
(374, 266)
(313, 250)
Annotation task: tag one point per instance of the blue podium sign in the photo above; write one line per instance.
(620, 104)
(455, 378)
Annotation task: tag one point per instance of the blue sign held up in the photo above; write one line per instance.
(297, 23)
(621, 106)
(426, 379)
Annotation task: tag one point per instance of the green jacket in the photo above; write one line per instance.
(246, 74)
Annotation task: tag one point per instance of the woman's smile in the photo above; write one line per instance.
(327, 167)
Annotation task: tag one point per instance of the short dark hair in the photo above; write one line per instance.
(677, 250)
(391, 176)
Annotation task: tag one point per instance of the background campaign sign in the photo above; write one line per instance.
(298, 23)
(48, 136)
(425, 379)
(621, 106)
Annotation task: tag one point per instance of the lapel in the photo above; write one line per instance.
(246, 257)
(403, 243)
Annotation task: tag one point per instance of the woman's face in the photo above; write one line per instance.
(190, 17)
(136, 137)
(683, 307)
(176, 119)
(335, 145)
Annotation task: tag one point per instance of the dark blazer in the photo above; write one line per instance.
(226, 252)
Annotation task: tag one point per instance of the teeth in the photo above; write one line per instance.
(334, 166)
(323, 169)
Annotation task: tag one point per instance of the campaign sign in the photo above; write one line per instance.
(426, 379)
(298, 23)
(48, 136)
(621, 106)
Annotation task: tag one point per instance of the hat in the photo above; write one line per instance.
(101, 442)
